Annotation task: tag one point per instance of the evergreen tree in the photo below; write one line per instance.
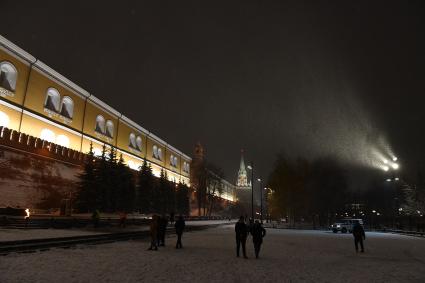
(87, 194)
(161, 194)
(144, 189)
(125, 188)
(112, 182)
(102, 180)
(182, 199)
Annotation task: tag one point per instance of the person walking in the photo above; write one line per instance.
(154, 233)
(258, 232)
(241, 231)
(179, 225)
(359, 236)
(162, 227)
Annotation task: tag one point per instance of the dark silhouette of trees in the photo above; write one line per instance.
(108, 185)
(87, 198)
(182, 199)
(305, 190)
(144, 189)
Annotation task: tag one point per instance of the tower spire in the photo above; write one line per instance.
(242, 175)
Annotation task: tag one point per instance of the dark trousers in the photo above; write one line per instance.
(161, 238)
(240, 241)
(179, 241)
(257, 247)
(358, 240)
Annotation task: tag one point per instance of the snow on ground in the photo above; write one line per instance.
(209, 256)
(26, 234)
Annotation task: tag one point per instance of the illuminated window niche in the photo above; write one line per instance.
(8, 76)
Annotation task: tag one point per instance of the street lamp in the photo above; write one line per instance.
(251, 167)
(261, 199)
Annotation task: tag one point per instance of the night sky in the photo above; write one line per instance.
(336, 78)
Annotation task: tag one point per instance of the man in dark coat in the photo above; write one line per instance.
(241, 233)
(257, 232)
(179, 225)
(162, 227)
(359, 236)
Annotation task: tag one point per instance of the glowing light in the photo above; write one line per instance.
(395, 159)
(397, 178)
(395, 166)
(97, 152)
(385, 168)
(27, 211)
(4, 119)
(47, 135)
(133, 165)
(62, 140)
(388, 180)
(385, 161)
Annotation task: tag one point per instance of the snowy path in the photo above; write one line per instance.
(209, 256)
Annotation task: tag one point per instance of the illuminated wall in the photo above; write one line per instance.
(36, 100)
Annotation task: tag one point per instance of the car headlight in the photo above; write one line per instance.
(338, 226)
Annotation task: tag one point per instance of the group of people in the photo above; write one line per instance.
(159, 225)
(158, 230)
(242, 230)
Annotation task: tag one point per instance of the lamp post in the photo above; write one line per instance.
(251, 167)
(261, 199)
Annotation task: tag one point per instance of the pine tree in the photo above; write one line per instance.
(182, 199)
(144, 189)
(102, 178)
(125, 187)
(87, 197)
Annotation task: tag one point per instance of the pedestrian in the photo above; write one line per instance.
(162, 227)
(179, 225)
(123, 218)
(172, 218)
(154, 233)
(258, 232)
(359, 236)
(96, 218)
(241, 231)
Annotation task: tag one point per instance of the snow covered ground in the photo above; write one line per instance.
(209, 256)
(26, 234)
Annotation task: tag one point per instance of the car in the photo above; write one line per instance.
(345, 225)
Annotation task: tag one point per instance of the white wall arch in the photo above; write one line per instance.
(52, 99)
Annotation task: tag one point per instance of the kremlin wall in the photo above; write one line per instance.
(48, 116)
(38, 102)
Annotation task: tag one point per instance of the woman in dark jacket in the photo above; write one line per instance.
(179, 225)
(258, 233)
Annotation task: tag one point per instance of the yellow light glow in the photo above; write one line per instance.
(47, 135)
(4, 119)
(97, 152)
(133, 165)
(62, 140)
